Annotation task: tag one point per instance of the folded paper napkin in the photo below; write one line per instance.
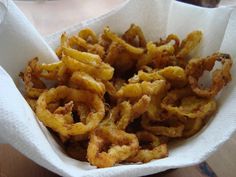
(20, 42)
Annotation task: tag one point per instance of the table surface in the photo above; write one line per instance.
(48, 20)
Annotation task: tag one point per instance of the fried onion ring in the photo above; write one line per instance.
(127, 46)
(144, 76)
(190, 106)
(160, 55)
(103, 71)
(33, 85)
(188, 44)
(139, 89)
(120, 145)
(57, 121)
(88, 35)
(175, 75)
(114, 98)
(220, 77)
(169, 130)
(192, 126)
(133, 33)
(125, 113)
(154, 150)
(85, 81)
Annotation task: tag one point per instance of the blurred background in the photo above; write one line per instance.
(49, 16)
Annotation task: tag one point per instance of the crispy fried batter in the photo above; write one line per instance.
(120, 145)
(188, 44)
(114, 98)
(190, 106)
(58, 122)
(168, 128)
(152, 148)
(220, 77)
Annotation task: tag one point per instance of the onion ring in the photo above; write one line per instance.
(103, 71)
(160, 55)
(139, 89)
(171, 37)
(154, 150)
(128, 47)
(33, 85)
(192, 126)
(190, 106)
(169, 131)
(175, 75)
(87, 82)
(57, 121)
(122, 145)
(220, 77)
(125, 113)
(115, 98)
(144, 76)
(133, 33)
(88, 35)
(188, 44)
(82, 45)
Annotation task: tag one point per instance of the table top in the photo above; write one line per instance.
(48, 20)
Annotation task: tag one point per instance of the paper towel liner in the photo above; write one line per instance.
(20, 42)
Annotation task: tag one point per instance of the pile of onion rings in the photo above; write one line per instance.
(119, 98)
